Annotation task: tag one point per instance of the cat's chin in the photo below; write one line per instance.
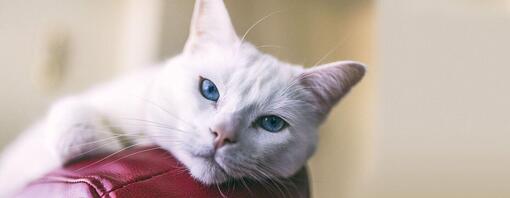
(202, 166)
(207, 171)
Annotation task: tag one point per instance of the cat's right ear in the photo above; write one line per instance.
(330, 82)
(210, 26)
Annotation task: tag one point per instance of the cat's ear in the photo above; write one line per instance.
(210, 25)
(330, 82)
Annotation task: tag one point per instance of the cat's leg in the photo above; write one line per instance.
(25, 160)
(71, 129)
(75, 129)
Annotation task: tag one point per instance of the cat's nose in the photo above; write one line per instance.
(222, 137)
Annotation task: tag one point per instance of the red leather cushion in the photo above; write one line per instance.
(149, 172)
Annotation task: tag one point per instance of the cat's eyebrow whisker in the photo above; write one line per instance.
(243, 38)
(333, 49)
(270, 46)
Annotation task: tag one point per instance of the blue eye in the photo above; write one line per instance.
(209, 90)
(272, 123)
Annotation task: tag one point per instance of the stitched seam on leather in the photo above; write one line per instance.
(93, 181)
(136, 181)
(63, 180)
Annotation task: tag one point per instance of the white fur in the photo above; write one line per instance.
(162, 105)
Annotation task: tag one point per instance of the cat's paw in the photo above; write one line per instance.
(75, 130)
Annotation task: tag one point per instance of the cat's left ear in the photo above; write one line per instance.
(210, 25)
(330, 82)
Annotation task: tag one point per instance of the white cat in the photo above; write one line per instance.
(224, 109)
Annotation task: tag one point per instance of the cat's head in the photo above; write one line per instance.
(232, 111)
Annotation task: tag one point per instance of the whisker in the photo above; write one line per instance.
(264, 175)
(243, 182)
(221, 193)
(132, 154)
(280, 182)
(258, 22)
(158, 124)
(92, 150)
(115, 137)
(270, 46)
(162, 109)
(254, 173)
(108, 156)
(95, 141)
(332, 50)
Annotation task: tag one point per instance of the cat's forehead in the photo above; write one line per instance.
(245, 67)
(263, 72)
(248, 77)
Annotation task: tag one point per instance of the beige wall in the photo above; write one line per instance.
(443, 126)
(50, 48)
(28, 29)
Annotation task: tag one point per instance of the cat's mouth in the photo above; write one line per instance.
(211, 157)
(216, 172)
(208, 154)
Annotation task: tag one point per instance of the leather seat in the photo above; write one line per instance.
(150, 172)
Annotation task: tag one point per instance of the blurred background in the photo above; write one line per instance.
(429, 120)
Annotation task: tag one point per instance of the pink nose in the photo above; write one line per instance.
(222, 137)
